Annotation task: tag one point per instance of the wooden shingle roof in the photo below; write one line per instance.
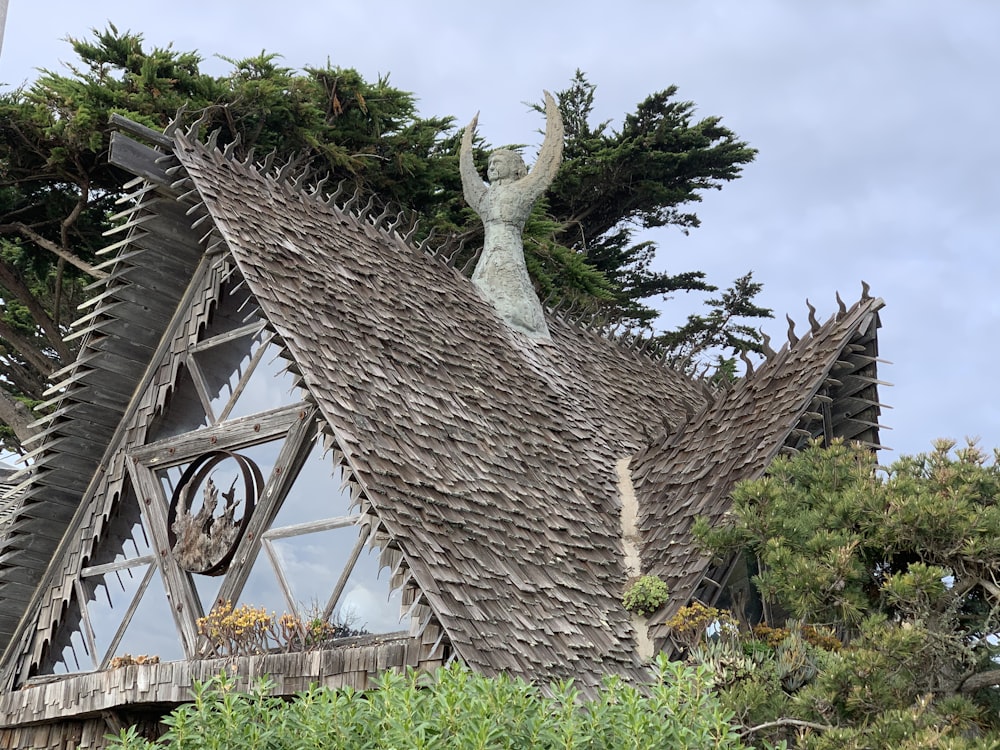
(489, 458)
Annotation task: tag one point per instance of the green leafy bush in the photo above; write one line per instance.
(645, 596)
(453, 708)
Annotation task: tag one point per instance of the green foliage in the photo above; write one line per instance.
(453, 708)
(645, 175)
(724, 329)
(901, 563)
(646, 595)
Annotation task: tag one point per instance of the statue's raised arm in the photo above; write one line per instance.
(550, 155)
(472, 184)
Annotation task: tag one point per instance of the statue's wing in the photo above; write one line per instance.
(473, 186)
(550, 155)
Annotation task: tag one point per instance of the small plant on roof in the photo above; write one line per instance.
(645, 596)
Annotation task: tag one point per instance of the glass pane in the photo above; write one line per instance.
(109, 597)
(124, 537)
(152, 631)
(312, 564)
(316, 493)
(223, 366)
(183, 411)
(74, 657)
(268, 386)
(367, 604)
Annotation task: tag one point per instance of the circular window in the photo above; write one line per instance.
(206, 520)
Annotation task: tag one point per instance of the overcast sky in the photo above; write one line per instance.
(876, 124)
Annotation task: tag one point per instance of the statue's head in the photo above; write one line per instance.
(505, 165)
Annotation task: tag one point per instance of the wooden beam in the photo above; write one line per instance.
(122, 123)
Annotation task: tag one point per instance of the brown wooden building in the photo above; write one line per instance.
(279, 401)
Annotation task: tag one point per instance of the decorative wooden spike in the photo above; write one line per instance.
(318, 187)
(452, 259)
(809, 416)
(869, 380)
(377, 221)
(213, 139)
(231, 147)
(286, 169)
(841, 365)
(747, 362)
(821, 398)
(766, 343)
(352, 201)
(688, 411)
(841, 307)
(265, 165)
(408, 237)
(248, 159)
(185, 197)
(813, 322)
(394, 224)
(299, 183)
(649, 344)
(422, 247)
(470, 264)
(216, 246)
(175, 123)
(792, 338)
(865, 290)
(707, 391)
(368, 207)
(196, 207)
(194, 132)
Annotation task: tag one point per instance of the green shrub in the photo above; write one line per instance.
(645, 596)
(456, 709)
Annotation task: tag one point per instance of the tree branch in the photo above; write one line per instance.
(786, 722)
(73, 260)
(980, 680)
(17, 416)
(12, 282)
(31, 353)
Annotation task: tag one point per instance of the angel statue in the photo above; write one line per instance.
(504, 206)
